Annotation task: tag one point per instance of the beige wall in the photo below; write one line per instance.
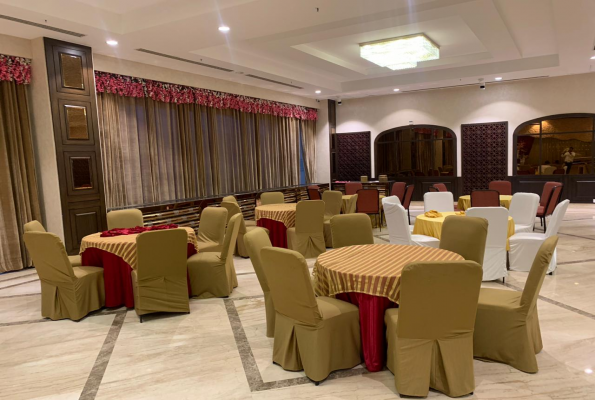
(15, 46)
(323, 173)
(515, 102)
(125, 67)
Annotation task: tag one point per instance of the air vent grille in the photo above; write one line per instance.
(43, 26)
(274, 81)
(183, 60)
(473, 84)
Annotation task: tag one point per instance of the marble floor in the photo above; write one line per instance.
(220, 351)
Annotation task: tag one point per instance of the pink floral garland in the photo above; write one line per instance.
(129, 86)
(17, 69)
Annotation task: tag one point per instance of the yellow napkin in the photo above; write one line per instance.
(460, 213)
(433, 214)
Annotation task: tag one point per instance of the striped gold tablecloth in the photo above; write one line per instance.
(464, 202)
(123, 246)
(284, 213)
(348, 204)
(373, 269)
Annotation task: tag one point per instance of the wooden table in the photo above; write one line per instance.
(370, 276)
(277, 218)
(465, 202)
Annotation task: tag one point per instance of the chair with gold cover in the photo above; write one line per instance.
(66, 291)
(272, 198)
(307, 237)
(211, 229)
(234, 209)
(465, 236)
(333, 199)
(129, 218)
(430, 335)
(256, 240)
(507, 325)
(160, 282)
(212, 273)
(35, 226)
(351, 229)
(316, 334)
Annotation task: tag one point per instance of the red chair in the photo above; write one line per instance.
(503, 187)
(398, 190)
(368, 202)
(550, 197)
(314, 192)
(440, 187)
(485, 198)
(433, 172)
(352, 187)
(559, 171)
(524, 172)
(407, 200)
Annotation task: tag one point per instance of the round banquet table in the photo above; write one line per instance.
(277, 218)
(369, 276)
(465, 202)
(433, 226)
(348, 203)
(117, 256)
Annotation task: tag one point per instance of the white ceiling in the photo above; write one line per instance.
(314, 44)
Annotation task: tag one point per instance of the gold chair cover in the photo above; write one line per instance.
(35, 226)
(272, 198)
(129, 218)
(212, 274)
(507, 325)
(160, 282)
(211, 229)
(430, 336)
(307, 237)
(333, 201)
(351, 229)
(316, 334)
(256, 240)
(234, 209)
(465, 236)
(66, 291)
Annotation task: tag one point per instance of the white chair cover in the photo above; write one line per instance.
(398, 227)
(524, 245)
(494, 259)
(439, 201)
(523, 209)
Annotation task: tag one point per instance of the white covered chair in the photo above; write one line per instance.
(524, 245)
(494, 259)
(439, 201)
(398, 227)
(523, 208)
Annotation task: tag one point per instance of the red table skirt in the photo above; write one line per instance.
(371, 322)
(277, 231)
(116, 275)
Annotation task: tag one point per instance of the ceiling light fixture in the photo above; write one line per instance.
(593, 58)
(396, 90)
(112, 42)
(498, 78)
(224, 28)
(588, 371)
(400, 53)
(318, 92)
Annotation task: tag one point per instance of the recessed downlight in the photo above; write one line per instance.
(593, 58)
(588, 371)
(112, 42)
(224, 28)
(396, 90)
(318, 91)
(498, 78)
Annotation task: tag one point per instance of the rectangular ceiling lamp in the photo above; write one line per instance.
(400, 53)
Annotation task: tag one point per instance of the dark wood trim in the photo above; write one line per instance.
(83, 210)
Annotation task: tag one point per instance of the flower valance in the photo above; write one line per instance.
(122, 85)
(15, 69)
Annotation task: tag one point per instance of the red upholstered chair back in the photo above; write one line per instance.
(314, 192)
(524, 172)
(433, 172)
(554, 199)
(432, 189)
(352, 187)
(547, 190)
(503, 187)
(408, 195)
(398, 190)
(440, 187)
(368, 201)
(485, 198)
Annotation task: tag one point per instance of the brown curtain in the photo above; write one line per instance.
(154, 151)
(309, 148)
(19, 202)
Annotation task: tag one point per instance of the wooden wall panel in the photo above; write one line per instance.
(76, 135)
(352, 156)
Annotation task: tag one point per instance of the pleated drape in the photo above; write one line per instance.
(19, 201)
(155, 151)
